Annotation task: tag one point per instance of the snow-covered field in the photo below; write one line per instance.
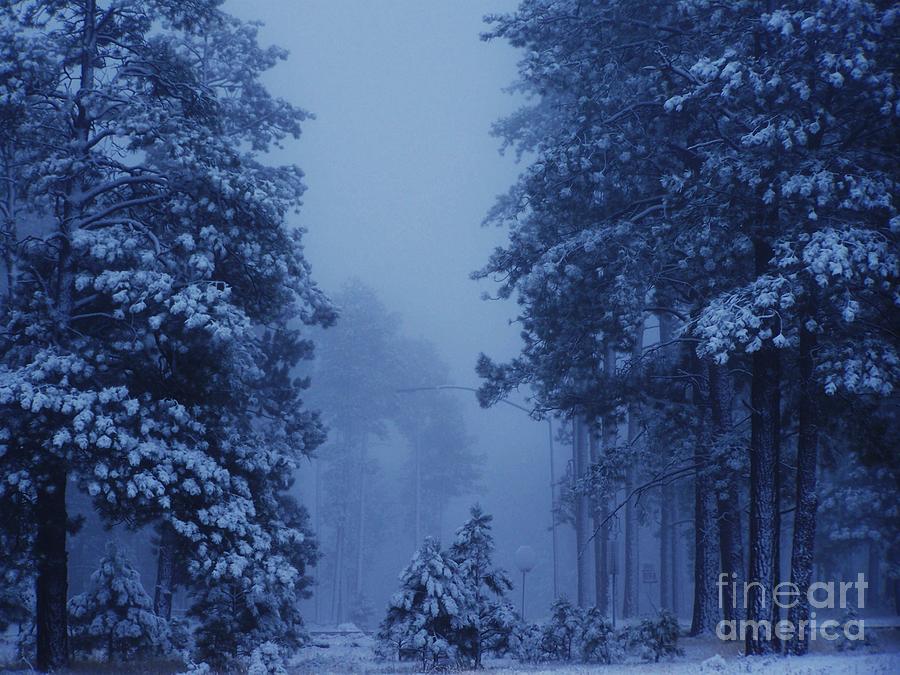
(349, 651)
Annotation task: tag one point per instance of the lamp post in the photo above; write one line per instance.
(525, 560)
(442, 387)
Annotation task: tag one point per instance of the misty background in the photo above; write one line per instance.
(401, 171)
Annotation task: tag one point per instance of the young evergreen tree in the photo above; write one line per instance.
(492, 618)
(116, 614)
(431, 609)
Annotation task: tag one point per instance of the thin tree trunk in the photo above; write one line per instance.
(631, 588)
(765, 451)
(418, 515)
(807, 503)
(318, 525)
(361, 532)
(676, 597)
(896, 584)
(667, 568)
(600, 512)
(165, 572)
(706, 516)
(582, 512)
(610, 440)
(706, 553)
(665, 545)
(728, 498)
(52, 573)
(51, 585)
(338, 564)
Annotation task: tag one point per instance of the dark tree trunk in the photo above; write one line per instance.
(807, 499)
(706, 550)
(765, 482)
(361, 515)
(338, 576)
(630, 583)
(52, 573)
(665, 548)
(673, 566)
(165, 572)
(580, 461)
(51, 585)
(600, 512)
(705, 613)
(667, 567)
(631, 590)
(728, 503)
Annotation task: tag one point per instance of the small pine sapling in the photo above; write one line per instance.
(116, 613)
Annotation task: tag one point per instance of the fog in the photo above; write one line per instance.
(402, 170)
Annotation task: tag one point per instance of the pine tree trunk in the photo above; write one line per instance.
(764, 510)
(705, 613)
(338, 576)
(807, 499)
(417, 450)
(610, 439)
(52, 573)
(706, 553)
(676, 598)
(51, 584)
(897, 596)
(666, 493)
(630, 600)
(728, 500)
(665, 545)
(361, 536)
(600, 512)
(630, 581)
(765, 458)
(582, 512)
(165, 572)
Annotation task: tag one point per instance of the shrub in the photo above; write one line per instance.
(528, 643)
(562, 631)
(597, 640)
(652, 639)
(266, 660)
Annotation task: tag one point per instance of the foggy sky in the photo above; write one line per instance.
(401, 170)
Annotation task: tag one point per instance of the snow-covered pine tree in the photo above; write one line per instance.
(595, 248)
(492, 618)
(724, 166)
(562, 630)
(427, 615)
(799, 166)
(234, 617)
(156, 265)
(116, 614)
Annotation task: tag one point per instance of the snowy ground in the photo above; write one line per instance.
(348, 650)
(351, 651)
